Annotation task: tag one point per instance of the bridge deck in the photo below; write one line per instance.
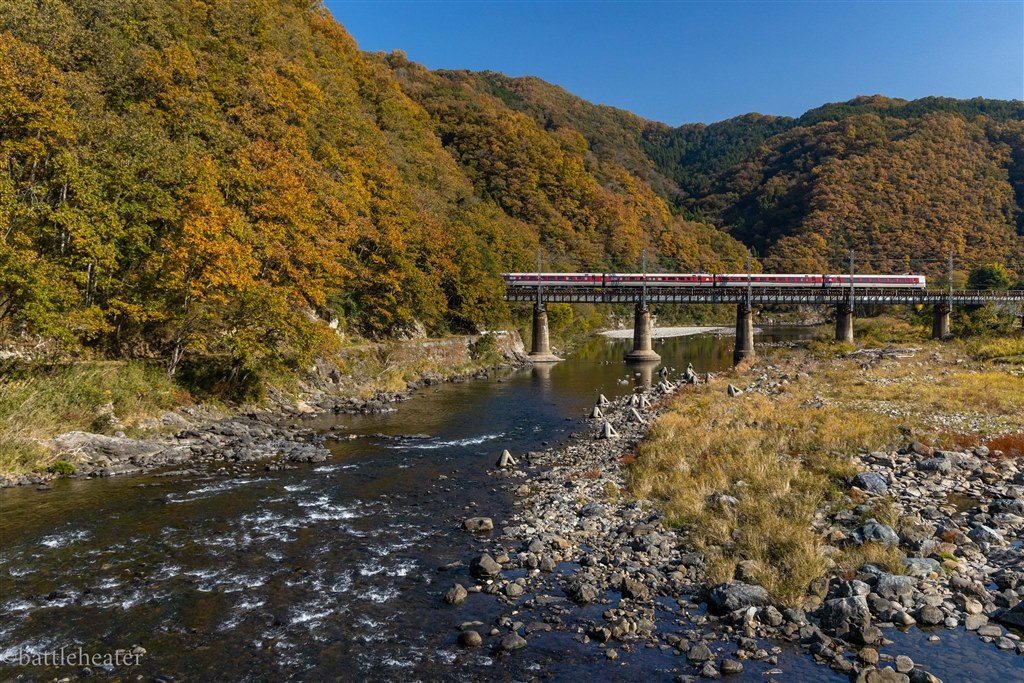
(758, 295)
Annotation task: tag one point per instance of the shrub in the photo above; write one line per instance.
(61, 468)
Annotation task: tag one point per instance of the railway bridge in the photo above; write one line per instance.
(843, 298)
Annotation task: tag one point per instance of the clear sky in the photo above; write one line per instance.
(682, 62)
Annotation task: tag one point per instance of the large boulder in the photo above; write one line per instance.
(850, 611)
(940, 465)
(872, 482)
(731, 596)
(484, 567)
(874, 532)
(891, 586)
(1013, 616)
(456, 595)
(985, 534)
(477, 524)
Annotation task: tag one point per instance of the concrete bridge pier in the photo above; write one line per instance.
(844, 323)
(940, 321)
(642, 351)
(540, 351)
(744, 333)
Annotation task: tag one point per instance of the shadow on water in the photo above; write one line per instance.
(326, 572)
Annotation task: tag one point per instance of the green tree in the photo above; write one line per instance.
(989, 276)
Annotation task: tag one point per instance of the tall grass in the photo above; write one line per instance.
(39, 402)
(745, 476)
(1001, 350)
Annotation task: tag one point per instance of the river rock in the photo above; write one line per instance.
(484, 567)
(892, 586)
(733, 390)
(584, 593)
(885, 675)
(477, 524)
(699, 652)
(991, 630)
(731, 666)
(456, 595)
(920, 449)
(904, 664)
(512, 641)
(930, 616)
(874, 532)
(985, 534)
(709, 670)
(921, 567)
(1013, 506)
(940, 465)
(872, 482)
(470, 639)
(633, 589)
(1013, 616)
(729, 597)
(838, 611)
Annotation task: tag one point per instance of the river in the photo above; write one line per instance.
(332, 571)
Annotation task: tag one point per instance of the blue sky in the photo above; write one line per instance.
(683, 62)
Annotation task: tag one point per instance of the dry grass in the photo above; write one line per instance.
(853, 557)
(777, 459)
(40, 402)
(1001, 350)
(1011, 445)
(746, 476)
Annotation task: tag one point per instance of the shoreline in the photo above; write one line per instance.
(570, 511)
(245, 435)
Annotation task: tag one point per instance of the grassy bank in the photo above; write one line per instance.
(40, 401)
(746, 476)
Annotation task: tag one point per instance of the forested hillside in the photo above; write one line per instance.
(227, 177)
(233, 178)
(902, 183)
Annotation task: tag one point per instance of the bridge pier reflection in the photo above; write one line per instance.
(643, 351)
(744, 333)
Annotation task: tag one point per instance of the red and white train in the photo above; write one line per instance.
(658, 280)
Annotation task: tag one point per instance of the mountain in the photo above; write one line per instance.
(901, 183)
(235, 179)
(225, 178)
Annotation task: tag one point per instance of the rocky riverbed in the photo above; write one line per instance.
(194, 439)
(592, 561)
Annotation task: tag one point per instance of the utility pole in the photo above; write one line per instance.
(851, 279)
(540, 301)
(949, 278)
(643, 266)
(750, 286)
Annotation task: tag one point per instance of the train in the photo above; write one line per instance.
(760, 280)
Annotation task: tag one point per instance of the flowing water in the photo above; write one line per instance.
(333, 571)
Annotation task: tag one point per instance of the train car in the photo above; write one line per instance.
(768, 280)
(659, 279)
(877, 281)
(553, 279)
